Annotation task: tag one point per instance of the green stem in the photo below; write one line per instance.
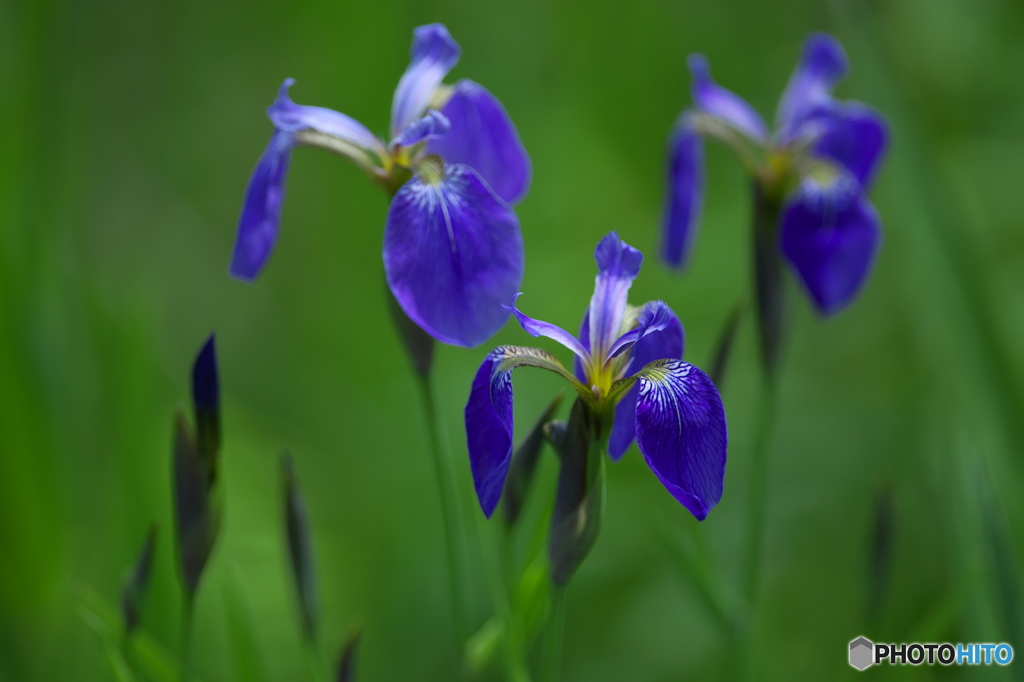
(551, 662)
(454, 530)
(496, 566)
(316, 672)
(186, 634)
(758, 494)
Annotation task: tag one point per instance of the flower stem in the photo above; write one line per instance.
(758, 493)
(454, 530)
(551, 661)
(186, 634)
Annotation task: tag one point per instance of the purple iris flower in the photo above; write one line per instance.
(630, 377)
(453, 252)
(817, 167)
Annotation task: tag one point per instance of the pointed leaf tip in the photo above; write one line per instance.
(133, 591)
(300, 547)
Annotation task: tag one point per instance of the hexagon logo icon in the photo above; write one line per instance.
(861, 653)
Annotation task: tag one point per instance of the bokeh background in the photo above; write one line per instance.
(128, 133)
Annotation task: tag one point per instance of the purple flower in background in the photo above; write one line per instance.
(817, 167)
(453, 252)
(630, 377)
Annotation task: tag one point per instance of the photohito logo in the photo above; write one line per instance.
(864, 653)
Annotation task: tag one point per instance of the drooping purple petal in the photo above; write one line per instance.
(433, 55)
(854, 135)
(822, 64)
(618, 264)
(681, 431)
(666, 343)
(290, 117)
(685, 192)
(831, 239)
(489, 415)
(716, 101)
(431, 125)
(261, 212)
(551, 331)
(453, 255)
(484, 138)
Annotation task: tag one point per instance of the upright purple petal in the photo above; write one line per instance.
(433, 55)
(664, 343)
(714, 100)
(431, 125)
(453, 255)
(483, 137)
(855, 136)
(551, 331)
(261, 212)
(290, 117)
(831, 239)
(822, 64)
(685, 192)
(618, 264)
(681, 431)
(489, 415)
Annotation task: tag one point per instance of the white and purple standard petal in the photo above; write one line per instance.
(429, 126)
(618, 264)
(489, 416)
(552, 331)
(855, 136)
(660, 341)
(681, 431)
(654, 317)
(822, 64)
(714, 100)
(831, 239)
(261, 212)
(483, 137)
(290, 117)
(453, 255)
(685, 192)
(434, 53)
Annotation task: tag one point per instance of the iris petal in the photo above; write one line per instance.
(854, 135)
(664, 343)
(483, 137)
(685, 194)
(429, 126)
(551, 331)
(261, 212)
(433, 55)
(822, 64)
(618, 264)
(723, 104)
(489, 416)
(681, 431)
(290, 117)
(830, 239)
(453, 255)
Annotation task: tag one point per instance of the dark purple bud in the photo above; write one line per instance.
(300, 547)
(726, 342)
(769, 279)
(347, 664)
(133, 591)
(206, 402)
(197, 509)
(419, 345)
(524, 463)
(579, 496)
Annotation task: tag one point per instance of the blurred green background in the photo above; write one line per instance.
(128, 131)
